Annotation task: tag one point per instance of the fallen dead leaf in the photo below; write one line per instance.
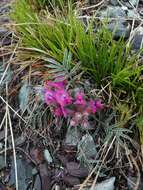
(74, 169)
(45, 177)
(70, 180)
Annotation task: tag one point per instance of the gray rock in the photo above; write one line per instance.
(132, 13)
(134, 2)
(114, 2)
(3, 31)
(113, 12)
(130, 4)
(105, 185)
(137, 39)
(6, 41)
(119, 29)
(5, 9)
(4, 20)
(5, 38)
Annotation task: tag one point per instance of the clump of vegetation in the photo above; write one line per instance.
(52, 3)
(105, 59)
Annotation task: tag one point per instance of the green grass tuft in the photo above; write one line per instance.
(100, 56)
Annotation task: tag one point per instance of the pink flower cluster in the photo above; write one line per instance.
(62, 104)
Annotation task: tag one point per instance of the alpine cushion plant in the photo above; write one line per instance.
(63, 103)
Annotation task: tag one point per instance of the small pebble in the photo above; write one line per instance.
(4, 10)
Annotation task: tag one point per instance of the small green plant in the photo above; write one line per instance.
(100, 56)
(124, 114)
(51, 35)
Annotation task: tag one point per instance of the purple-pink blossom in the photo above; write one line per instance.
(56, 95)
(80, 99)
(99, 105)
(63, 104)
(62, 97)
(58, 112)
(49, 96)
(57, 85)
(92, 105)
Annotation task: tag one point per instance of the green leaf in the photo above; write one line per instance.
(24, 94)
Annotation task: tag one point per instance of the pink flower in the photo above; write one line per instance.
(58, 112)
(92, 105)
(59, 98)
(76, 118)
(62, 97)
(64, 111)
(49, 96)
(63, 105)
(86, 112)
(80, 99)
(73, 123)
(99, 105)
(85, 123)
(57, 85)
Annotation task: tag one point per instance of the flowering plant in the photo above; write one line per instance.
(63, 104)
